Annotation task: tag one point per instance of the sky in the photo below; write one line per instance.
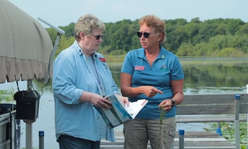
(62, 12)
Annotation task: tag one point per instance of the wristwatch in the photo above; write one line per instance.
(173, 102)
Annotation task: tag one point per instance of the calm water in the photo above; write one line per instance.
(199, 79)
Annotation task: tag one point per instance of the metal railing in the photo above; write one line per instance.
(9, 131)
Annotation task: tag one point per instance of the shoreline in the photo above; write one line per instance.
(196, 61)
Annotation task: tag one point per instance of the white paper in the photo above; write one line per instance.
(134, 107)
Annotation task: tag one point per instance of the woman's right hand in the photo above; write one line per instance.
(150, 91)
(96, 100)
(100, 101)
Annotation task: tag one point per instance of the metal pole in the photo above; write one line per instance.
(236, 121)
(28, 135)
(41, 139)
(181, 139)
(59, 34)
(29, 122)
(52, 57)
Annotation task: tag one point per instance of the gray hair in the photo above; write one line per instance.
(87, 24)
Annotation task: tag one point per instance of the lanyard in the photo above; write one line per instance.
(98, 78)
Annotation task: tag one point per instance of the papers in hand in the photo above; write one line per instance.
(134, 107)
(120, 113)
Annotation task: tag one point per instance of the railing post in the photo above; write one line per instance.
(236, 121)
(218, 129)
(181, 139)
(41, 139)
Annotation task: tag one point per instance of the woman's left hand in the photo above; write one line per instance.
(124, 100)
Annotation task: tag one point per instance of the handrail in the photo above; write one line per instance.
(7, 140)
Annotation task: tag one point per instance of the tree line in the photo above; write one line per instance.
(212, 38)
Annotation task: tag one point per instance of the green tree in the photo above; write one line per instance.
(233, 25)
(230, 52)
(222, 29)
(69, 30)
(175, 38)
(201, 49)
(213, 37)
(207, 31)
(195, 20)
(243, 30)
(185, 49)
(192, 30)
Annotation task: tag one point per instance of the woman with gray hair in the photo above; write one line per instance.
(81, 79)
(153, 73)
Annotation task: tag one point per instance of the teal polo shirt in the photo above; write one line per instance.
(164, 69)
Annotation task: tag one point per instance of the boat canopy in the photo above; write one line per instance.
(25, 45)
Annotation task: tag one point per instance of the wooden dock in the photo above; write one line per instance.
(192, 140)
(200, 109)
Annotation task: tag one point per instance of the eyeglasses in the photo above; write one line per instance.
(98, 36)
(146, 35)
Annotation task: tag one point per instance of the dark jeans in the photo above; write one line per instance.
(69, 142)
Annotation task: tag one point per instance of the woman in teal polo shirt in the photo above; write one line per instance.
(152, 73)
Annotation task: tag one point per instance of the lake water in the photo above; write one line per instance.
(199, 79)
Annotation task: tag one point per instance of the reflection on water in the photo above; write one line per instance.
(199, 79)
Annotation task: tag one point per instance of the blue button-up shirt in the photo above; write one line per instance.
(72, 75)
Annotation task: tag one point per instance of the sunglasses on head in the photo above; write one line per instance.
(98, 36)
(145, 34)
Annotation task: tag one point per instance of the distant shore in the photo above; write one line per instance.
(228, 61)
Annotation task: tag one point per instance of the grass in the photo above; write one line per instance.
(6, 96)
(118, 59)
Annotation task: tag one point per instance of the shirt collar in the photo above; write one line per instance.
(80, 51)
(162, 53)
